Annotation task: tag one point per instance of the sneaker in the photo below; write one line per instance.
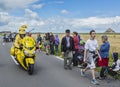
(65, 67)
(82, 72)
(95, 82)
(47, 54)
(101, 78)
(70, 68)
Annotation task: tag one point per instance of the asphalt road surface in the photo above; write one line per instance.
(49, 72)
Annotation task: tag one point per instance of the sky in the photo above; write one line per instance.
(59, 15)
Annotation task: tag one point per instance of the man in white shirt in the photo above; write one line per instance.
(91, 47)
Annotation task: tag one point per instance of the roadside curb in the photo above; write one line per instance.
(59, 58)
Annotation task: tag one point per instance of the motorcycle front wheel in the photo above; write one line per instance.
(30, 69)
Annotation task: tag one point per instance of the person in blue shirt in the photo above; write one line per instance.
(57, 42)
(104, 53)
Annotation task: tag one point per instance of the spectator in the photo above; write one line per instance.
(4, 37)
(52, 42)
(12, 37)
(7, 38)
(104, 53)
(90, 50)
(76, 46)
(47, 43)
(57, 42)
(39, 39)
(39, 42)
(79, 39)
(44, 39)
(67, 48)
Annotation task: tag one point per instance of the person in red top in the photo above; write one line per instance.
(76, 44)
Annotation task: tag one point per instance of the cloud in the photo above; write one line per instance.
(58, 24)
(56, 2)
(38, 6)
(95, 21)
(4, 18)
(59, 2)
(64, 11)
(31, 15)
(12, 23)
(15, 4)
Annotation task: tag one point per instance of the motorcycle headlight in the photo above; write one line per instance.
(34, 52)
(26, 52)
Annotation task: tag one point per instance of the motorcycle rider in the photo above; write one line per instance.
(17, 46)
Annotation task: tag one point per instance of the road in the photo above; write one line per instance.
(49, 72)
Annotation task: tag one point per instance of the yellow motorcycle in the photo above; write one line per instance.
(26, 56)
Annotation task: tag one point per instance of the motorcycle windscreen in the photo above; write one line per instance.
(29, 42)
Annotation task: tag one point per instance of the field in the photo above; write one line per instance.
(114, 40)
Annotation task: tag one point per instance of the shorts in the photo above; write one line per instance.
(90, 61)
(47, 43)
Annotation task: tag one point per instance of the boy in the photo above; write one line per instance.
(90, 50)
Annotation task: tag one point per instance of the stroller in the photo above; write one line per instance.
(80, 55)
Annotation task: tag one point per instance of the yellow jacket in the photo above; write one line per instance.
(18, 41)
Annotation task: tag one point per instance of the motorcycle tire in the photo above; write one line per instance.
(30, 69)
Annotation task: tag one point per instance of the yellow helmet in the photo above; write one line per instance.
(23, 26)
(22, 29)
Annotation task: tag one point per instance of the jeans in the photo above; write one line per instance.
(75, 60)
(68, 56)
(52, 48)
(56, 48)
